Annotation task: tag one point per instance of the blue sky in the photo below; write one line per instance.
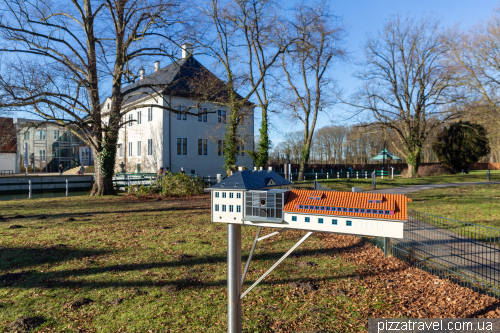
(362, 17)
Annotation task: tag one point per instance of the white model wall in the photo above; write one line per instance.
(227, 216)
(8, 161)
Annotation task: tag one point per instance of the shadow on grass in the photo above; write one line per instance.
(12, 258)
(57, 279)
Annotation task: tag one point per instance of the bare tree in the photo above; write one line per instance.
(62, 53)
(406, 83)
(307, 68)
(476, 53)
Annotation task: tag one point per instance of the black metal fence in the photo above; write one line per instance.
(466, 253)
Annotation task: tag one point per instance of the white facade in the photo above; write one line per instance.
(228, 206)
(8, 162)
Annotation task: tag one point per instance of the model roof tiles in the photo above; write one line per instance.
(392, 202)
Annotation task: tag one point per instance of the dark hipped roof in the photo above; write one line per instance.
(7, 135)
(248, 179)
(186, 77)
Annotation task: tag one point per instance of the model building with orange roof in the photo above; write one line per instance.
(271, 203)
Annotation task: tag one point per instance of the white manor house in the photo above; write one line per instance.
(154, 137)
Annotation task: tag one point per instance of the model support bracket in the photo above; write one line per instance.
(257, 239)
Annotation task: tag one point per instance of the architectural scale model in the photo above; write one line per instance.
(265, 199)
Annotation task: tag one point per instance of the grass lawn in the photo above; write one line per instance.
(160, 266)
(343, 184)
(478, 204)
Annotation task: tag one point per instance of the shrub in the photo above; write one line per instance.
(171, 185)
(428, 170)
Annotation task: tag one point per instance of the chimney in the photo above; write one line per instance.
(187, 50)
(157, 66)
(141, 73)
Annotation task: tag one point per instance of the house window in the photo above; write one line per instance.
(378, 201)
(56, 134)
(339, 209)
(223, 208)
(130, 120)
(370, 201)
(356, 210)
(150, 114)
(238, 195)
(350, 210)
(317, 208)
(223, 195)
(334, 222)
(202, 147)
(294, 218)
(181, 115)
(27, 135)
(362, 211)
(238, 209)
(220, 147)
(301, 207)
(221, 116)
(322, 207)
(348, 223)
(216, 208)
(241, 150)
(139, 117)
(150, 147)
(345, 209)
(108, 106)
(138, 148)
(308, 219)
(120, 150)
(216, 194)
(231, 195)
(231, 207)
(368, 211)
(130, 149)
(40, 135)
(387, 212)
(182, 146)
(202, 115)
(41, 154)
(320, 220)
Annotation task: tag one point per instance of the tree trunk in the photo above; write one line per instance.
(304, 159)
(413, 160)
(104, 170)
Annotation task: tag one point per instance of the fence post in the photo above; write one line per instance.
(338, 175)
(357, 174)
(366, 174)
(488, 175)
(374, 185)
(326, 176)
(29, 188)
(382, 173)
(316, 176)
(67, 187)
(347, 174)
(385, 247)
(128, 183)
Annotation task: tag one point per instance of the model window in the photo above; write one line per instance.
(231, 208)
(306, 207)
(320, 221)
(322, 208)
(339, 209)
(370, 201)
(202, 147)
(356, 210)
(294, 218)
(334, 222)
(308, 219)
(350, 210)
(223, 194)
(344, 209)
(216, 208)
(216, 194)
(387, 212)
(223, 208)
(317, 208)
(347, 223)
(368, 211)
(238, 195)
(311, 198)
(378, 201)
(231, 195)
(362, 211)
(238, 209)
